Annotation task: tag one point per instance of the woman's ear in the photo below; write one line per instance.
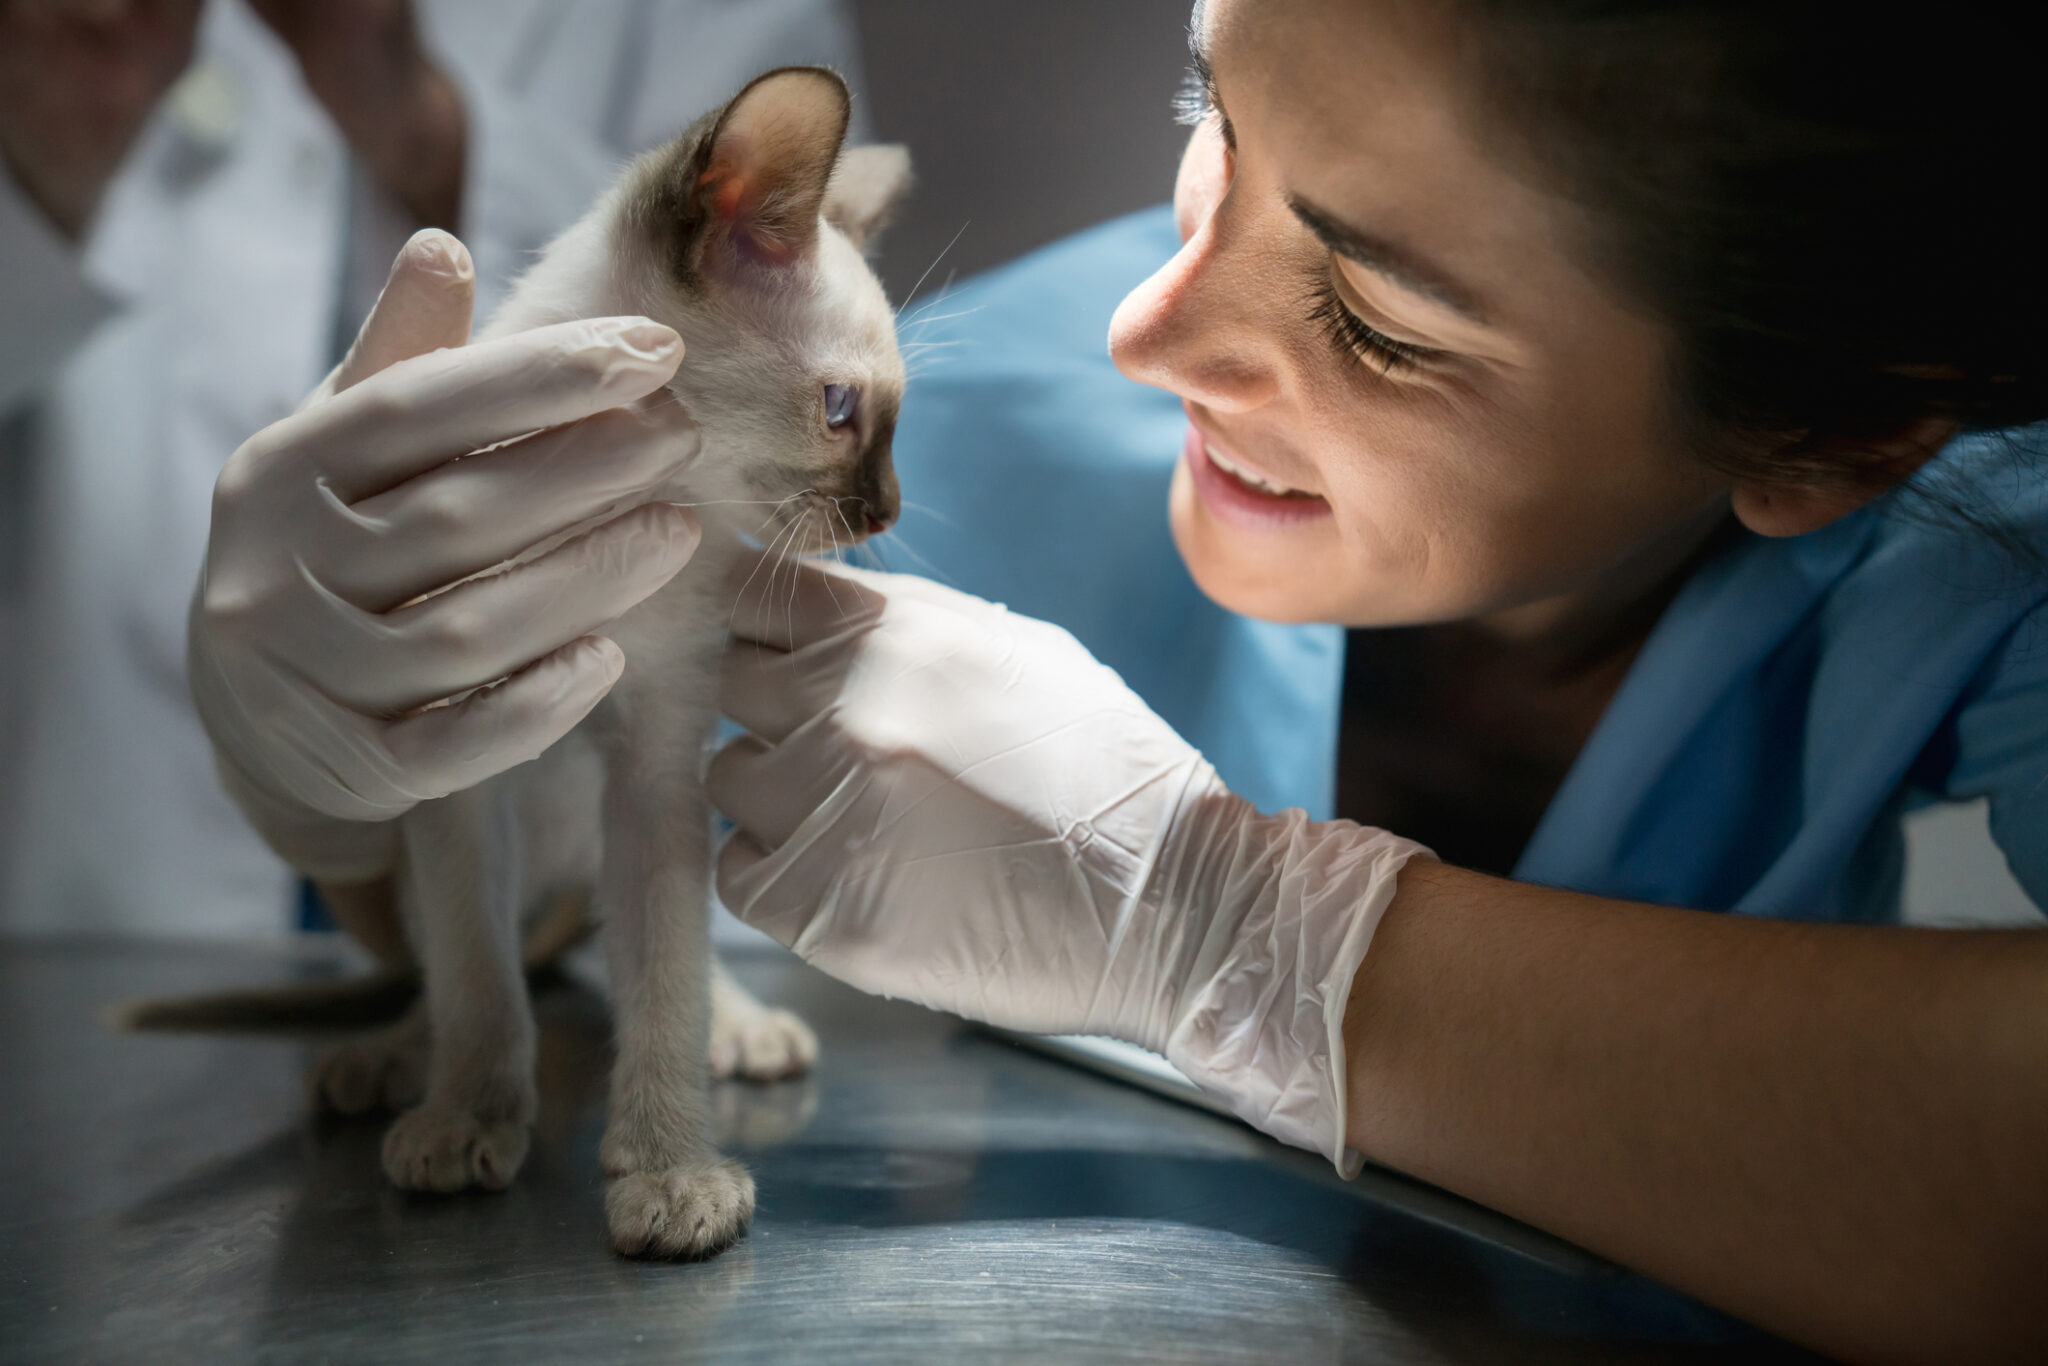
(1793, 507)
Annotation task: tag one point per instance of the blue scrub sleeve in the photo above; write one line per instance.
(1998, 746)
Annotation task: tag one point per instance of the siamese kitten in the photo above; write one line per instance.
(745, 235)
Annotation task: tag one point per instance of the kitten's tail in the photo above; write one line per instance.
(350, 1002)
(372, 999)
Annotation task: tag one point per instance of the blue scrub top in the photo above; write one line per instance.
(1796, 698)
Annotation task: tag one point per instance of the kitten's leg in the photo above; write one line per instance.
(753, 1041)
(462, 897)
(385, 1069)
(670, 1194)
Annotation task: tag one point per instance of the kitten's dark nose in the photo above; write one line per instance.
(874, 483)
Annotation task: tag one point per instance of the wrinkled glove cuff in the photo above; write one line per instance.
(1260, 1022)
(318, 846)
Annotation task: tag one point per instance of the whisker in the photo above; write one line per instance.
(930, 570)
(773, 514)
(930, 268)
(936, 318)
(732, 617)
(853, 539)
(734, 502)
(801, 523)
(852, 542)
(945, 292)
(787, 558)
(928, 510)
(924, 365)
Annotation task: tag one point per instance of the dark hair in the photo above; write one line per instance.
(1830, 206)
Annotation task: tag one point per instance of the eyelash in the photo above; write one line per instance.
(1192, 103)
(1195, 101)
(1357, 340)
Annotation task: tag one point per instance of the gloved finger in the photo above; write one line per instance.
(421, 412)
(466, 516)
(770, 790)
(916, 586)
(786, 604)
(489, 628)
(993, 615)
(772, 692)
(446, 749)
(740, 887)
(426, 304)
(726, 781)
(851, 594)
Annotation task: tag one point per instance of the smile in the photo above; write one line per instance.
(1235, 493)
(1257, 481)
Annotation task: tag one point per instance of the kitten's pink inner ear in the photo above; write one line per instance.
(770, 159)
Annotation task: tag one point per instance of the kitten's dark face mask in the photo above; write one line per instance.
(758, 219)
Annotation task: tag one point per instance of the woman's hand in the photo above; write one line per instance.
(363, 60)
(343, 658)
(946, 802)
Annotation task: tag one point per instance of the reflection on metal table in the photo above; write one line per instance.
(933, 1193)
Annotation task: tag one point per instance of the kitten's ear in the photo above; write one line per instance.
(867, 185)
(768, 159)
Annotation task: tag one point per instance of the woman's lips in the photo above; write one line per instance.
(1237, 500)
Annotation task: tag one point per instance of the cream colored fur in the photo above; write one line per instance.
(618, 806)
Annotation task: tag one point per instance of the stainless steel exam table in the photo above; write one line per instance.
(932, 1194)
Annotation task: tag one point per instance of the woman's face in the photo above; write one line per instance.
(1372, 314)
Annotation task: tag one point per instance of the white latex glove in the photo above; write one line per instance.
(949, 803)
(322, 642)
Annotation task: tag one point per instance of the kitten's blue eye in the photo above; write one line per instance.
(842, 401)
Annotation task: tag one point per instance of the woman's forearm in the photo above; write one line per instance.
(1837, 1132)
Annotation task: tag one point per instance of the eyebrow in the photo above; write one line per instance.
(1376, 254)
(1198, 55)
(1389, 259)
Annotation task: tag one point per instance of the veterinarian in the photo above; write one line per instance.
(1656, 378)
(1648, 386)
(197, 202)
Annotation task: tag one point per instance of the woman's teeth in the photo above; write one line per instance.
(1245, 476)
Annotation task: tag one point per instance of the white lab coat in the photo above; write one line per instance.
(233, 250)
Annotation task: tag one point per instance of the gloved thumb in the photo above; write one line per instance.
(426, 305)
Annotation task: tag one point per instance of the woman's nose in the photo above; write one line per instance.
(1196, 327)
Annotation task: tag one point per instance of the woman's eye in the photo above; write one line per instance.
(842, 402)
(1358, 339)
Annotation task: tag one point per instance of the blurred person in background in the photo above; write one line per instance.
(199, 203)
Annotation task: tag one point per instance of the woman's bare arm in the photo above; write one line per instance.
(1836, 1132)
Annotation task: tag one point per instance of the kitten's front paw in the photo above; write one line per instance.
(760, 1044)
(386, 1070)
(435, 1148)
(689, 1211)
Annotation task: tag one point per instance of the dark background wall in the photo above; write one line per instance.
(1025, 122)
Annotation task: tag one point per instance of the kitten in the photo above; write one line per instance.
(745, 235)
